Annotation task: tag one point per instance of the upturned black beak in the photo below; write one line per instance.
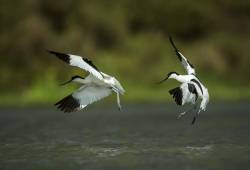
(67, 82)
(163, 80)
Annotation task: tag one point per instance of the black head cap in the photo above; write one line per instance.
(172, 72)
(168, 76)
(72, 78)
(75, 77)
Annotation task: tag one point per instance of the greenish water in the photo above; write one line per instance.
(140, 137)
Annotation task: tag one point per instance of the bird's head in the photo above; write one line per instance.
(170, 76)
(73, 79)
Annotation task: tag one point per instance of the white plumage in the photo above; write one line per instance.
(95, 86)
(78, 61)
(90, 94)
(186, 64)
(187, 97)
(191, 89)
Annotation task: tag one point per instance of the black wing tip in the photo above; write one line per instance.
(50, 51)
(53, 52)
(173, 44)
(66, 58)
(68, 104)
(62, 56)
(175, 48)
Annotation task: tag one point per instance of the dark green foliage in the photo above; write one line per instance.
(126, 37)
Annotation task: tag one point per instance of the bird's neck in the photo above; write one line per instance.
(79, 80)
(180, 78)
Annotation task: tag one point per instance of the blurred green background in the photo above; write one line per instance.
(124, 38)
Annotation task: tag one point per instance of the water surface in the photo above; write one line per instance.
(141, 137)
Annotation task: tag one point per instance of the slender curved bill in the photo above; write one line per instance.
(162, 80)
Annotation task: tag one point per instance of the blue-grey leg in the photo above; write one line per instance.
(118, 101)
(196, 115)
(183, 113)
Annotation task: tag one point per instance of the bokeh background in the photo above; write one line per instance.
(127, 39)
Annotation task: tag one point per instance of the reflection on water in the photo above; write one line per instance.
(141, 137)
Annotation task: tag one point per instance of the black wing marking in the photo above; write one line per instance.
(186, 64)
(62, 56)
(67, 58)
(68, 104)
(79, 62)
(193, 90)
(90, 63)
(191, 65)
(175, 48)
(196, 82)
(177, 95)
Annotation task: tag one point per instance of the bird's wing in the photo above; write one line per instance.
(80, 62)
(83, 97)
(192, 89)
(186, 64)
(186, 93)
(177, 95)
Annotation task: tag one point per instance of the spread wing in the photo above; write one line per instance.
(80, 62)
(82, 97)
(186, 64)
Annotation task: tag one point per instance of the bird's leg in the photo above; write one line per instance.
(183, 113)
(115, 89)
(118, 97)
(118, 101)
(195, 117)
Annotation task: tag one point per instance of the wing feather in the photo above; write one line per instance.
(90, 94)
(80, 62)
(82, 97)
(186, 64)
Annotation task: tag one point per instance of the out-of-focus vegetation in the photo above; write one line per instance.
(124, 38)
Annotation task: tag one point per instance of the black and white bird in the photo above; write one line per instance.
(95, 86)
(191, 91)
